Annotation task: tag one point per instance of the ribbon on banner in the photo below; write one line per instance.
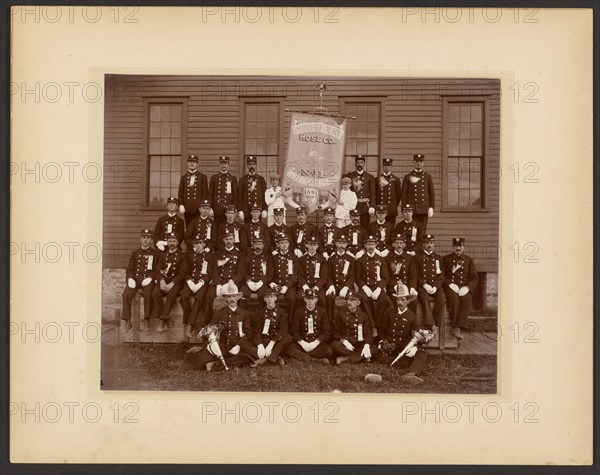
(313, 168)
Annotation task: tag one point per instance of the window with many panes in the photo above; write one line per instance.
(364, 133)
(165, 150)
(262, 123)
(464, 154)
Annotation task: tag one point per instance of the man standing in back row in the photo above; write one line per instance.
(193, 187)
(363, 184)
(222, 190)
(418, 191)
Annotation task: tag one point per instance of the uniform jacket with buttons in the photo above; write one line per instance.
(397, 327)
(142, 264)
(198, 266)
(253, 230)
(327, 235)
(217, 192)
(301, 233)
(285, 269)
(366, 271)
(308, 266)
(413, 232)
(460, 270)
(259, 267)
(383, 232)
(364, 187)
(251, 191)
(348, 325)
(337, 265)
(390, 194)
(230, 336)
(172, 263)
(321, 326)
(205, 228)
(278, 324)
(418, 191)
(356, 237)
(169, 224)
(402, 267)
(233, 269)
(430, 269)
(189, 194)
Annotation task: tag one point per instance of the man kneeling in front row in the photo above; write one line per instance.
(398, 326)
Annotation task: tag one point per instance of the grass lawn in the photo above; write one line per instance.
(166, 367)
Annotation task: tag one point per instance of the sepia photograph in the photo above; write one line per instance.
(313, 234)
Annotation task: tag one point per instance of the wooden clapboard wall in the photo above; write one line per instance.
(411, 122)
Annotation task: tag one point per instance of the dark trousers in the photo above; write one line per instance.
(422, 218)
(219, 218)
(354, 356)
(296, 351)
(458, 308)
(189, 215)
(243, 358)
(415, 364)
(191, 313)
(365, 219)
(391, 219)
(374, 308)
(331, 302)
(279, 347)
(128, 296)
(435, 315)
(163, 311)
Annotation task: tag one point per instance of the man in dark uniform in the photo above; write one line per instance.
(222, 190)
(278, 228)
(372, 278)
(341, 273)
(352, 338)
(259, 271)
(169, 281)
(430, 279)
(418, 191)
(235, 339)
(389, 191)
(356, 235)
(301, 231)
(382, 229)
(402, 269)
(310, 330)
(251, 190)
(461, 278)
(204, 226)
(255, 228)
(167, 224)
(139, 275)
(230, 226)
(198, 267)
(193, 187)
(229, 265)
(286, 268)
(411, 229)
(363, 184)
(313, 271)
(271, 336)
(398, 326)
(327, 234)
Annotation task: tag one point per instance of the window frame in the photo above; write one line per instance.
(148, 101)
(485, 192)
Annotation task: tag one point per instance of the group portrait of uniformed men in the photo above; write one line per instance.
(344, 291)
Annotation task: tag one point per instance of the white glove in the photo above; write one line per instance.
(261, 351)
(181, 209)
(366, 351)
(269, 348)
(258, 284)
(330, 290)
(161, 245)
(264, 214)
(325, 255)
(384, 253)
(412, 291)
(463, 291)
(367, 291)
(411, 253)
(371, 211)
(348, 345)
(430, 212)
(376, 293)
(433, 290)
(427, 288)
(146, 281)
(298, 253)
(284, 289)
(305, 346)
(454, 287)
(344, 291)
(252, 285)
(163, 285)
(211, 213)
(413, 351)
(191, 285)
(169, 286)
(199, 285)
(131, 282)
(272, 285)
(359, 254)
(241, 215)
(235, 350)
(305, 287)
(220, 289)
(222, 262)
(313, 345)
